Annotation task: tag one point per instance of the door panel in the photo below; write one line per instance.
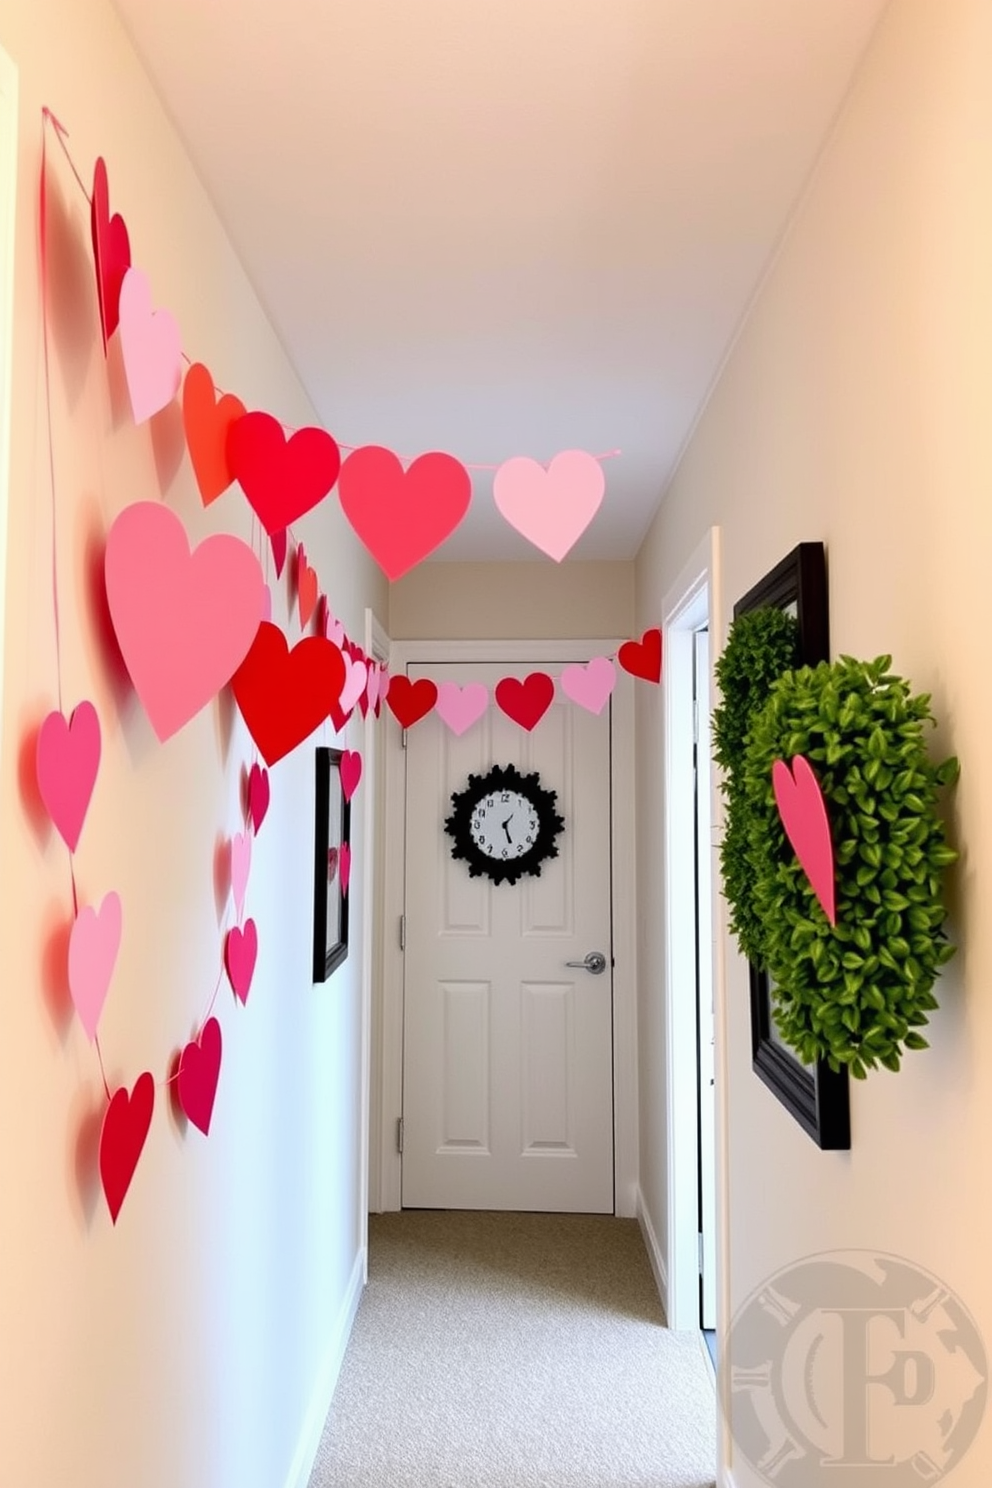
(507, 1072)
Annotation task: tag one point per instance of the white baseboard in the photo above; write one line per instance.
(654, 1250)
(305, 1455)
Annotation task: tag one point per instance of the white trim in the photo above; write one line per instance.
(402, 654)
(8, 212)
(376, 646)
(654, 1251)
(298, 1475)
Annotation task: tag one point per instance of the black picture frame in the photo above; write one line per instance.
(332, 829)
(498, 780)
(818, 1098)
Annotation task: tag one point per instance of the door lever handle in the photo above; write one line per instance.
(594, 962)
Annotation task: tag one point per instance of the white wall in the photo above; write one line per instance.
(855, 409)
(185, 1348)
(513, 601)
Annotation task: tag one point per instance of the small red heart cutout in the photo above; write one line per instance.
(279, 543)
(282, 478)
(525, 702)
(411, 701)
(207, 420)
(306, 586)
(804, 816)
(240, 954)
(284, 695)
(402, 515)
(642, 658)
(258, 796)
(199, 1071)
(111, 252)
(351, 772)
(122, 1139)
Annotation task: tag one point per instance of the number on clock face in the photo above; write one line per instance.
(504, 825)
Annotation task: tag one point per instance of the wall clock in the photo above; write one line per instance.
(504, 824)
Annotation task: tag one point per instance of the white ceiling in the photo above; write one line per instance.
(505, 227)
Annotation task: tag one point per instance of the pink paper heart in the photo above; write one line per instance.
(372, 685)
(590, 685)
(67, 758)
(550, 508)
(461, 706)
(94, 942)
(278, 541)
(240, 869)
(151, 346)
(351, 772)
(184, 621)
(344, 865)
(240, 952)
(356, 675)
(384, 681)
(333, 629)
(199, 1071)
(258, 796)
(804, 816)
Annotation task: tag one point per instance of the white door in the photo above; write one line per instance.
(507, 1050)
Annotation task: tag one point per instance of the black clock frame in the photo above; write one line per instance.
(459, 824)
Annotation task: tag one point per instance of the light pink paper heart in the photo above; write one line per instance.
(550, 508)
(151, 347)
(333, 629)
(240, 869)
(355, 677)
(372, 685)
(344, 865)
(804, 816)
(351, 772)
(94, 941)
(384, 681)
(461, 706)
(590, 685)
(258, 796)
(184, 621)
(240, 953)
(67, 758)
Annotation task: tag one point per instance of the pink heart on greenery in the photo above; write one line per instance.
(804, 816)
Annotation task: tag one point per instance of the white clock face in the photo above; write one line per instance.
(504, 824)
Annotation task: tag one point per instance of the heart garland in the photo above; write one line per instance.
(551, 508)
(525, 702)
(282, 478)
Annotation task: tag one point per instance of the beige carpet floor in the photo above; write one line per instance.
(516, 1351)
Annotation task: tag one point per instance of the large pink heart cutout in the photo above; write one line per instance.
(402, 515)
(184, 621)
(804, 816)
(550, 508)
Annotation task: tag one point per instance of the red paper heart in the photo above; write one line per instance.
(306, 586)
(278, 540)
(122, 1138)
(351, 772)
(284, 695)
(207, 421)
(642, 658)
(804, 816)
(411, 701)
(240, 954)
(282, 478)
(401, 516)
(525, 702)
(258, 796)
(111, 252)
(199, 1070)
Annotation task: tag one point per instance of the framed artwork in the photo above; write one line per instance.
(332, 832)
(816, 1095)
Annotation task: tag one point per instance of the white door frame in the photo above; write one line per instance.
(8, 213)
(377, 646)
(389, 1075)
(694, 597)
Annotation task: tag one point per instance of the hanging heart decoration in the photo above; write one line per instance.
(804, 816)
(122, 1139)
(410, 701)
(344, 865)
(356, 676)
(94, 941)
(199, 1071)
(351, 772)
(403, 515)
(111, 252)
(550, 508)
(306, 586)
(282, 478)
(184, 621)
(240, 953)
(643, 658)
(258, 796)
(207, 420)
(525, 702)
(591, 685)
(279, 544)
(67, 758)
(240, 869)
(460, 707)
(284, 695)
(152, 349)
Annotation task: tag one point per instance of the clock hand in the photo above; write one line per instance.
(506, 829)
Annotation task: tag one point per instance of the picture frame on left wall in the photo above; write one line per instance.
(332, 831)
